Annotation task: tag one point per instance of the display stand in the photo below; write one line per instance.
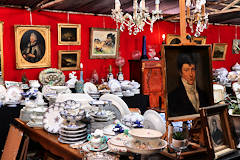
(192, 148)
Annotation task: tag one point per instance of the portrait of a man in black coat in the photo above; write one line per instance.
(217, 134)
(187, 97)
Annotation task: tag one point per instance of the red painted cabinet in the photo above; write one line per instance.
(149, 74)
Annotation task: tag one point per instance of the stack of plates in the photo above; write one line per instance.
(71, 134)
(94, 95)
(119, 94)
(103, 116)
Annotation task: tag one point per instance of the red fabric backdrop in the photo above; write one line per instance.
(128, 44)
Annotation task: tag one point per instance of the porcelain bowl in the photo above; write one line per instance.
(73, 115)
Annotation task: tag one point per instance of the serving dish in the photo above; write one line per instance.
(52, 76)
(153, 120)
(117, 102)
(14, 94)
(89, 87)
(52, 120)
(140, 148)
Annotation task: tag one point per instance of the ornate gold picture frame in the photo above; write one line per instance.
(104, 43)
(32, 45)
(69, 34)
(199, 40)
(173, 39)
(219, 51)
(69, 60)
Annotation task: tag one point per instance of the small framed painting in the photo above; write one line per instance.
(199, 40)
(219, 51)
(173, 39)
(217, 130)
(69, 60)
(236, 46)
(104, 43)
(69, 34)
(32, 44)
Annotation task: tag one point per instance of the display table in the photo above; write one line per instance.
(7, 115)
(49, 141)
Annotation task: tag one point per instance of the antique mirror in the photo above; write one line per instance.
(1, 50)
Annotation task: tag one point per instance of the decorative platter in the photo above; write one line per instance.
(89, 87)
(119, 140)
(153, 120)
(14, 94)
(52, 76)
(52, 120)
(117, 102)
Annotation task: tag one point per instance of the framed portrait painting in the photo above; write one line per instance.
(69, 60)
(218, 135)
(104, 43)
(173, 39)
(188, 87)
(32, 45)
(219, 51)
(69, 34)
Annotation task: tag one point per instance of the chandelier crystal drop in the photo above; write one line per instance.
(198, 16)
(141, 16)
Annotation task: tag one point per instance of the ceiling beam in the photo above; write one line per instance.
(213, 9)
(41, 3)
(172, 17)
(226, 11)
(231, 5)
(46, 3)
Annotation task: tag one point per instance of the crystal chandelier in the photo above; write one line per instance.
(198, 17)
(141, 16)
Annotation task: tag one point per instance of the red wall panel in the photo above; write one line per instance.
(128, 44)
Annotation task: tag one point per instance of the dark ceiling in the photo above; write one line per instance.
(220, 11)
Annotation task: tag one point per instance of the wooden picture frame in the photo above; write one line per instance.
(69, 34)
(104, 43)
(173, 39)
(219, 51)
(199, 40)
(32, 45)
(69, 60)
(218, 135)
(177, 103)
(236, 46)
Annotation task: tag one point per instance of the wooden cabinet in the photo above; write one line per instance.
(149, 74)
